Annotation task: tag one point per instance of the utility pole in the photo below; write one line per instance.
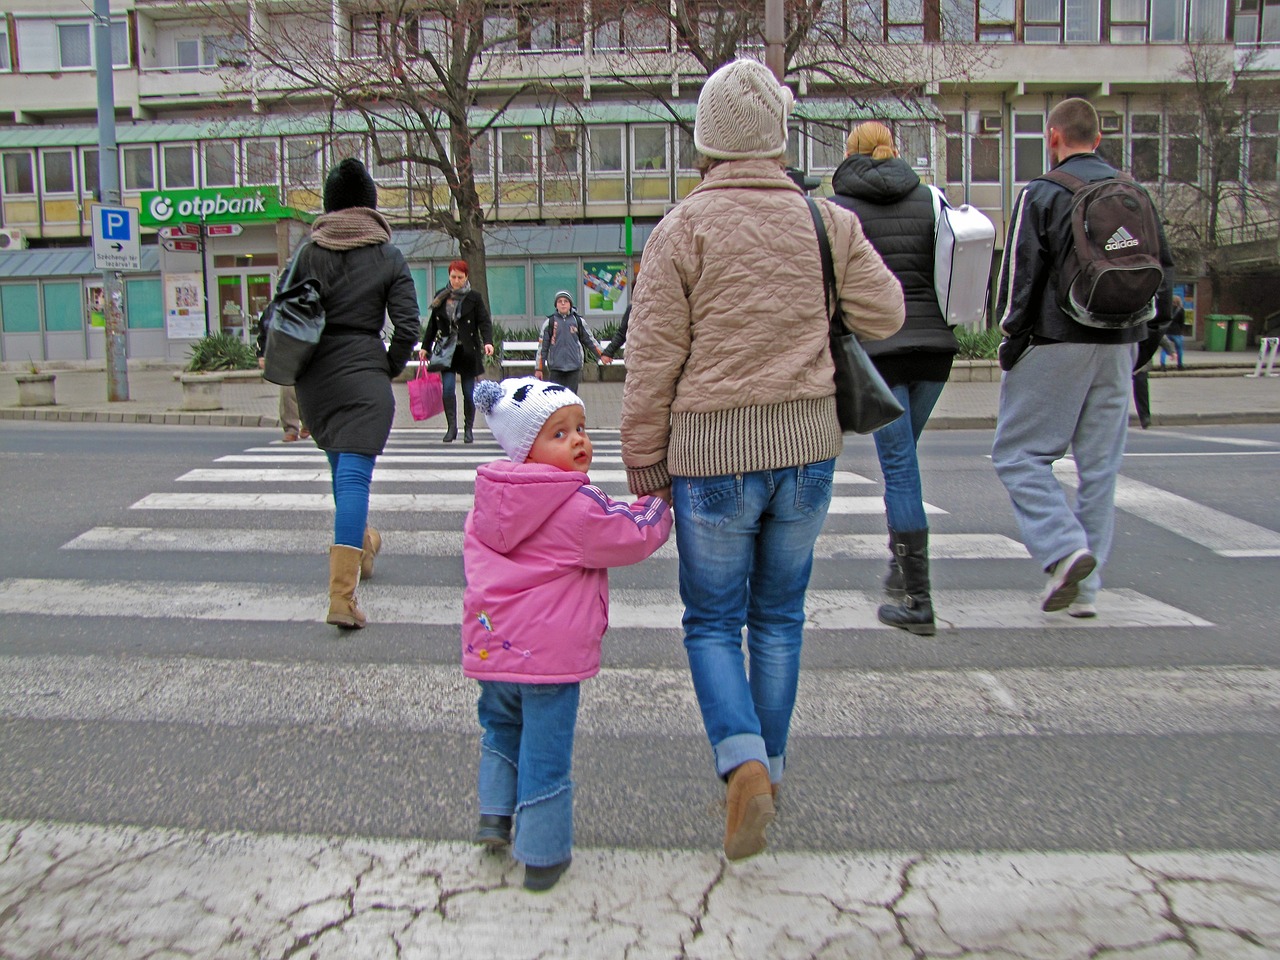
(109, 194)
(775, 54)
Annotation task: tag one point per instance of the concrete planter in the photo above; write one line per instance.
(201, 391)
(612, 372)
(35, 389)
(975, 371)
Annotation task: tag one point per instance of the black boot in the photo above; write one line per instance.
(894, 588)
(451, 419)
(469, 413)
(915, 612)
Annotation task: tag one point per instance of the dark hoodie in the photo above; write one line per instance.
(896, 211)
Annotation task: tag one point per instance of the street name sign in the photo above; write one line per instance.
(116, 243)
(224, 229)
(181, 246)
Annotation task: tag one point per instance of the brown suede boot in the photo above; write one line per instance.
(372, 544)
(344, 575)
(748, 810)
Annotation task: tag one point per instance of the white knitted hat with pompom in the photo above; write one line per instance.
(742, 113)
(516, 409)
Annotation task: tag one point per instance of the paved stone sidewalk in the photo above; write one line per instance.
(1214, 389)
(117, 893)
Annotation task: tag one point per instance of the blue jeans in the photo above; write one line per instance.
(1178, 344)
(448, 389)
(896, 447)
(526, 756)
(351, 474)
(746, 550)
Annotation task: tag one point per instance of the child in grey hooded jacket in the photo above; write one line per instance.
(561, 344)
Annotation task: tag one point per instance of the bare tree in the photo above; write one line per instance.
(1219, 190)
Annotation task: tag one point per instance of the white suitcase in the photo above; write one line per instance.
(964, 241)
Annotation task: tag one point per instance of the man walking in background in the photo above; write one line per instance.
(1068, 366)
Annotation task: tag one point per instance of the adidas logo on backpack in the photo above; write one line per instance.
(1120, 239)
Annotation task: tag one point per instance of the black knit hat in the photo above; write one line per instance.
(349, 185)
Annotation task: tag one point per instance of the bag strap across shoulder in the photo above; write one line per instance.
(824, 248)
(293, 265)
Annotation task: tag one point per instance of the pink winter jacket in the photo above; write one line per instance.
(536, 548)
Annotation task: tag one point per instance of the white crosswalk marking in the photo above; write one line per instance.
(288, 475)
(642, 609)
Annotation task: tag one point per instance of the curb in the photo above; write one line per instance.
(174, 418)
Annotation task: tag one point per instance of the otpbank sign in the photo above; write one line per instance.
(214, 205)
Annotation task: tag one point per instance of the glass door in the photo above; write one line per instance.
(231, 306)
(242, 296)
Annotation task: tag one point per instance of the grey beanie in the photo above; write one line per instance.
(516, 409)
(742, 113)
(567, 295)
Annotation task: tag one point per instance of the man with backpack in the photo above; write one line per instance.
(1083, 294)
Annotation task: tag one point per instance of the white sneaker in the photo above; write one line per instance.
(1064, 580)
(1082, 610)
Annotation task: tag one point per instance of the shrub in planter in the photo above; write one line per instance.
(221, 351)
(977, 344)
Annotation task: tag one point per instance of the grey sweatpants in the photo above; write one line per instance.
(1060, 397)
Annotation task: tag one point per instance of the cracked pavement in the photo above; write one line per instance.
(85, 891)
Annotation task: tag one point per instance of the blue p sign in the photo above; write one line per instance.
(115, 225)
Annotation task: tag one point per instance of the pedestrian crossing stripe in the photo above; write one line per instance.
(448, 543)
(629, 609)
(405, 503)
(292, 474)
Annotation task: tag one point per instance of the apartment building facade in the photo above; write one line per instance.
(586, 112)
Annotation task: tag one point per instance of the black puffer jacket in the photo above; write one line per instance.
(345, 393)
(475, 331)
(896, 211)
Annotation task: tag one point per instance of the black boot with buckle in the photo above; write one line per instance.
(451, 420)
(915, 611)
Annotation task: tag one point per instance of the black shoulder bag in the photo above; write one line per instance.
(294, 320)
(864, 402)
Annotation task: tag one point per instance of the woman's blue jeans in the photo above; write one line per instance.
(896, 447)
(526, 758)
(351, 474)
(448, 387)
(746, 551)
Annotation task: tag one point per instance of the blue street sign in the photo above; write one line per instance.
(115, 223)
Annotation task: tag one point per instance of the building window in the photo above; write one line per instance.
(632, 28)
(552, 28)
(973, 148)
(1059, 21)
(261, 162)
(220, 163)
(1184, 149)
(74, 46)
(605, 149)
(996, 21)
(1028, 146)
(560, 151)
(392, 167)
(302, 161)
(219, 50)
(1257, 21)
(89, 179)
(139, 164)
(686, 150)
(649, 149)
(915, 144)
(905, 20)
(58, 171)
(516, 153)
(19, 179)
(1208, 20)
(179, 165)
(1168, 20)
(1144, 147)
(1264, 136)
(481, 155)
(433, 37)
(1128, 21)
(6, 64)
(826, 145)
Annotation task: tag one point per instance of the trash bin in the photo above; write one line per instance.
(1216, 329)
(1238, 337)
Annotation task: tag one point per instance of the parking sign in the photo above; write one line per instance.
(116, 244)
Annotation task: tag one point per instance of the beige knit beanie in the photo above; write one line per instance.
(742, 113)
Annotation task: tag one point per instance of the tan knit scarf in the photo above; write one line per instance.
(350, 228)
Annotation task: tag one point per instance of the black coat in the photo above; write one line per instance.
(345, 392)
(475, 331)
(896, 211)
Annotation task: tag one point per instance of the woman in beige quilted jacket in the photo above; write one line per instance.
(729, 409)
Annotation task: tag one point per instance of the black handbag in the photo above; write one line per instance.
(864, 402)
(294, 320)
(440, 360)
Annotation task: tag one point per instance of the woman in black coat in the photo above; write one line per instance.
(345, 392)
(897, 216)
(459, 308)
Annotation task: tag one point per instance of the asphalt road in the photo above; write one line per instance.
(76, 745)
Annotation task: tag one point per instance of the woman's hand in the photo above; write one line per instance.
(488, 349)
(538, 374)
(422, 354)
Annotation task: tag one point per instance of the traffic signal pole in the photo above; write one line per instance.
(109, 194)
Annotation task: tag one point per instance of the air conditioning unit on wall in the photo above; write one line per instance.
(11, 238)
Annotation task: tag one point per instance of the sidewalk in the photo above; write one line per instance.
(1213, 390)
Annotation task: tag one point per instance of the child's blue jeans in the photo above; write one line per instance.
(526, 756)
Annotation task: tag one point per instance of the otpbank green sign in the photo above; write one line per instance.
(214, 205)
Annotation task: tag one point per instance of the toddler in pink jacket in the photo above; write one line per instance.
(536, 548)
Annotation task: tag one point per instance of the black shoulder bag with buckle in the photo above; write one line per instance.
(864, 402)
(294, 320)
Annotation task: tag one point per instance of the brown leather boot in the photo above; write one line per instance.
(372, 544)
(344, 575)
(748, 810)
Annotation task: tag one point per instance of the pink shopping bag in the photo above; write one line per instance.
(426, 395)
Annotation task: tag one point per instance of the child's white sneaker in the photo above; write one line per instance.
(1082, 610)
(1064, 580)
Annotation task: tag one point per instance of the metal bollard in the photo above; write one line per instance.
(1268, 350)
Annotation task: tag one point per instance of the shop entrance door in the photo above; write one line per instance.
(242, 296)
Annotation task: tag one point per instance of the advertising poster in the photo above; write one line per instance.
(183, 306)
(606, 285)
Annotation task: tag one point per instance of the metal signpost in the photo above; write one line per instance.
(116, 231)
